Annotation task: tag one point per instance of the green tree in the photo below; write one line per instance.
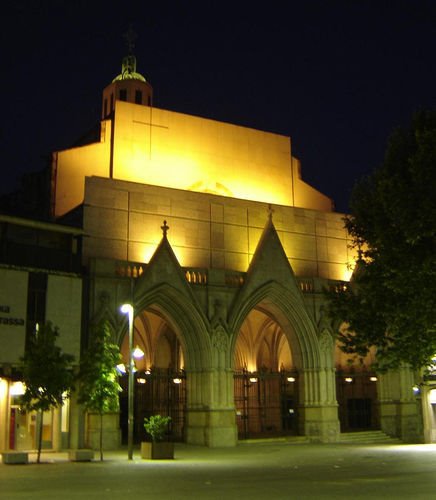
(98, 378)
(47, 374)
(391, 300)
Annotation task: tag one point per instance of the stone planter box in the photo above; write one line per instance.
(15, 457)
(157, 451)
(83, 455)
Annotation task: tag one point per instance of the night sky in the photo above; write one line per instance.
(336, 76)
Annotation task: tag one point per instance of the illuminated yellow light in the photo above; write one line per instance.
(141, 381)
(348, 379)
(147, 372)
(17, 389)
(373, 379)
(177, 380)
(253, 380)
(291, 379)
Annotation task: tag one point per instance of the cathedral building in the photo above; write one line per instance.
(209, 231)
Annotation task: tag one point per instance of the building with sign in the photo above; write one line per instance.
(40, 279)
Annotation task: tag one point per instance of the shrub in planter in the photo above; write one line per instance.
(156, 426)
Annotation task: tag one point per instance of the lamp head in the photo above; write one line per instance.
(126, 308)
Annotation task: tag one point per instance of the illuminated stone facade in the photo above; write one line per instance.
(163, 148)
(209, 231)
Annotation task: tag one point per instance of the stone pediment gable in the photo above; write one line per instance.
(270, 280)
(163, 268)
(270, 263)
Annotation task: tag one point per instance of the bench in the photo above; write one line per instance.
(15, 457)
(83, 455)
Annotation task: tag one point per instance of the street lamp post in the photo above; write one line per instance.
(128, 309)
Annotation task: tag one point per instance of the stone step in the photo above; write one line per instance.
(367, 437)
(277, 439)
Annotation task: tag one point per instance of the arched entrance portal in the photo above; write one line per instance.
(160, 384)
(265, 379)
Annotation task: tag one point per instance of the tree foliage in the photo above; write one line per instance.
(47, 373)
(391, 300)
(98, 378)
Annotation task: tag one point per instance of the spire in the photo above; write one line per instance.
(128, 65)
(129, 86)
(130, 36)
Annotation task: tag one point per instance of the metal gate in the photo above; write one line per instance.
(157, 392)
(266, 403)
(356, 394)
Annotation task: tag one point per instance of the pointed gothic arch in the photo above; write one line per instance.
(182, 316)
(290, 314)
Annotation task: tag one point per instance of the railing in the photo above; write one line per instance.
(234, 279)
(338, 286)
(306, 285)
(196, 276)
(129, 270)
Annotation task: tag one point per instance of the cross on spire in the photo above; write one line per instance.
(165, 228)
(130, 36)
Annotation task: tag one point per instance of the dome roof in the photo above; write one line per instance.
(128, 70)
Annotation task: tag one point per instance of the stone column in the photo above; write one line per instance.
(318, 410)
(210, 416)
(56, 422)
(427, 415)
(399, 408)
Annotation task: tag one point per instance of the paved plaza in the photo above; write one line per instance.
(266, 470)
